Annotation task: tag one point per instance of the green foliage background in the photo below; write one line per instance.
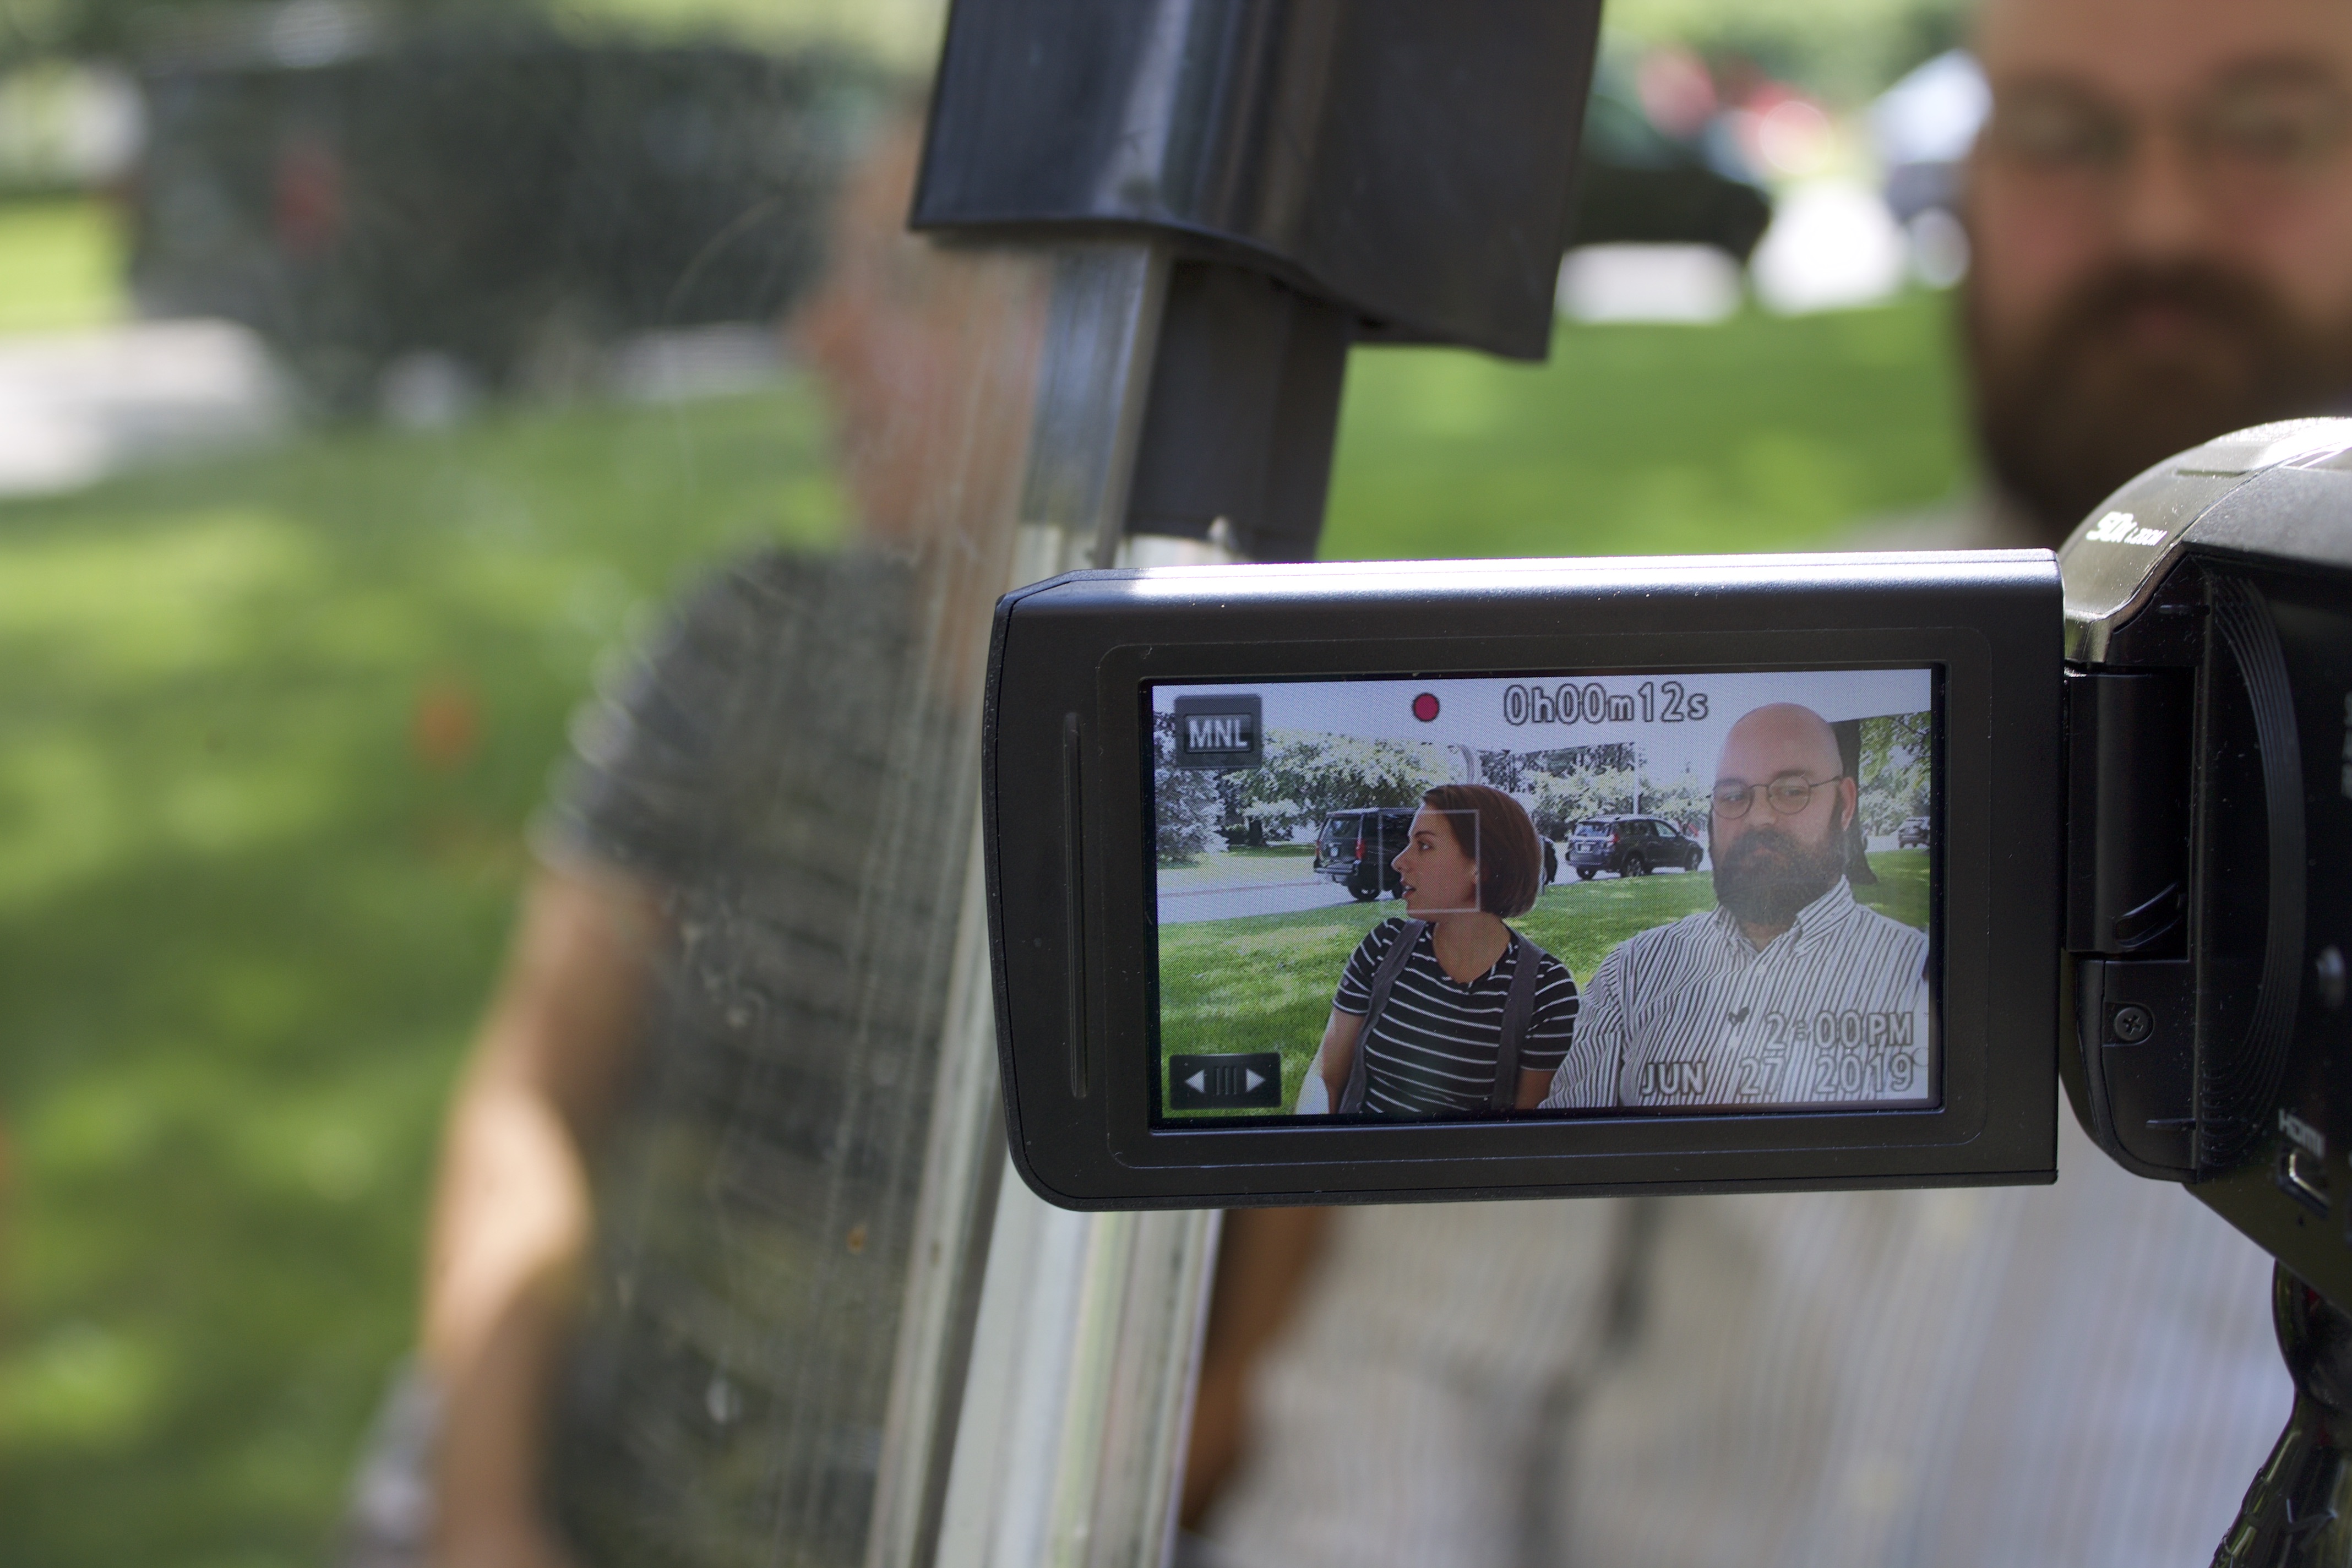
(1842, 49)
(902, 33)
(245, 923)
(1764, 433)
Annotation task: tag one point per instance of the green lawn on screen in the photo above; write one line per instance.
(1264, 982)
(247, 922)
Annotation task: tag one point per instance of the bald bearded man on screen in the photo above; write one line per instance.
(1788, 992)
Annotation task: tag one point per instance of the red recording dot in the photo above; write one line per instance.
(1424, 707)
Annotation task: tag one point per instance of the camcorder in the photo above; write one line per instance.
(1394, 881)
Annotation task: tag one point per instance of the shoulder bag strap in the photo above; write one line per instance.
(1384, 979)
(1518, 1011)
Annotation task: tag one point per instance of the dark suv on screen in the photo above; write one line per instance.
(1355, 847)
(1631, 847)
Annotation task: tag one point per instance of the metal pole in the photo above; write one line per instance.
(1042, 1390)
(1379, 170)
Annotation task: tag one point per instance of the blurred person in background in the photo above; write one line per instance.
(2161, 252)
(2163, 218)
(2160, 215)
(594, 1354)
(2081, 1374)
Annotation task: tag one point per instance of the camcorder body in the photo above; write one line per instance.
(1395, 882)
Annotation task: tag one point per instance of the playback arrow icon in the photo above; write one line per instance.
(1225, 1080)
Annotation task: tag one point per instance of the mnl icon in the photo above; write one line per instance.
(1219, 731)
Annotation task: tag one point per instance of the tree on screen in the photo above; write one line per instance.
(1186, 806)
(1308, 775)
(1893, 779)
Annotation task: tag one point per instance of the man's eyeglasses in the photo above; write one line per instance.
(1789, 794)
(2267, 127)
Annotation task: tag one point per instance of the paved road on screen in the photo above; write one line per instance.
(1221, 887)
(1218, 903)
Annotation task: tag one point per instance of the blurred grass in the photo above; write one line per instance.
(61, 260)
(1758, 434)
(272, 727)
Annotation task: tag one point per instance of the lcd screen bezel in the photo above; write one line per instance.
(1074, 954)
(1126, 1022)
(1162, 1120)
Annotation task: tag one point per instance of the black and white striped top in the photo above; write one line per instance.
(2074, 1377)
(1834, 1010)
(1433, 1046)
(2079, 1374)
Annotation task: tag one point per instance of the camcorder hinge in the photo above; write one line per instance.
(2222, 576)
(2128, 736)
(2184, 875)
(2184, 884)
(2252, 822)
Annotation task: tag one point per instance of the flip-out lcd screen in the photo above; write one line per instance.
(1548, 895)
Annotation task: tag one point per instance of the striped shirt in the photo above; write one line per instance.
(1834, 1010)
(2074, 1377)
(1433, 1048)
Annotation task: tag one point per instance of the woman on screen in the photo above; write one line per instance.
(1449, 1011)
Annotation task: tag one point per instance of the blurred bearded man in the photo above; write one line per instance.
(2161, 210)
(2160, 217)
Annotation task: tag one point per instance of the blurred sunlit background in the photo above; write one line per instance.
(302, 568)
